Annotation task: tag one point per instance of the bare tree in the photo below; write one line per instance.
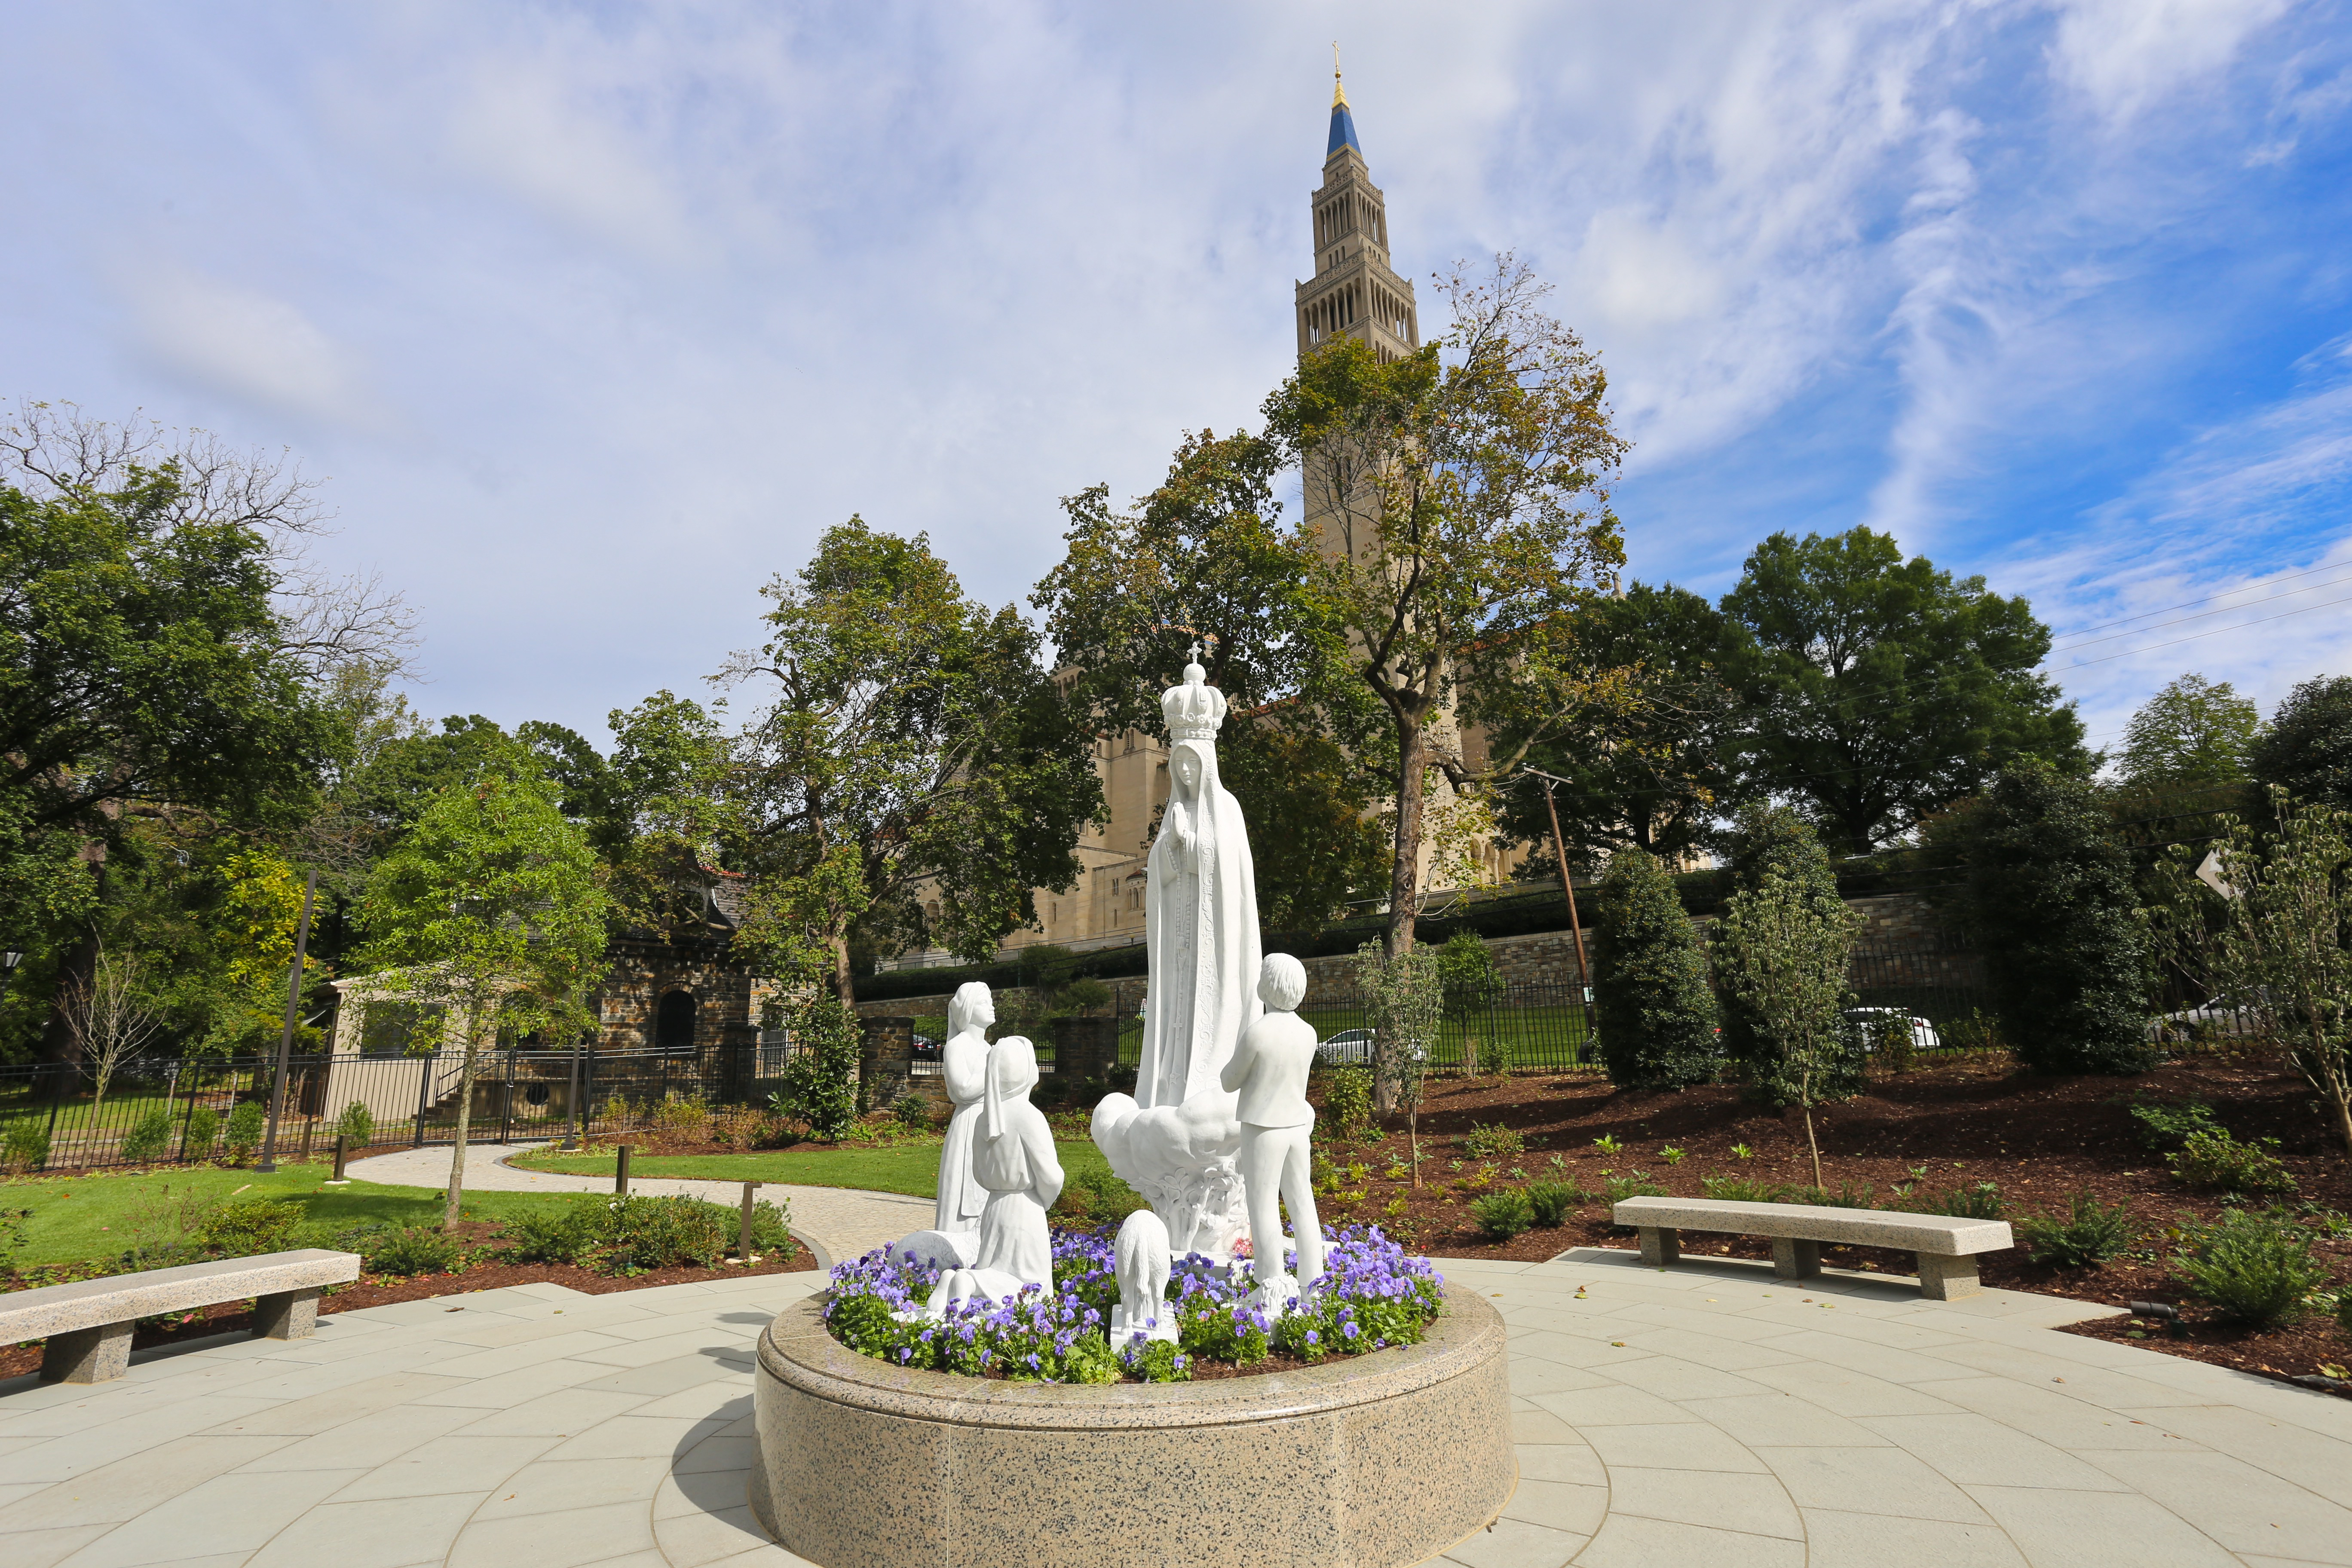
(54, 450)
(111, 1017)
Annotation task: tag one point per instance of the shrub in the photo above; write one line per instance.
(1348, 1100)
(2255, 1268)
(250, 1228)
(1849, 1195)
(1897, 1045)
(1504, 1213)
(26, 1146)
(913, 1111)
(202, 1134)
(1631, 1185)
(683, 1119)
(1744, 1189)
(1982, 1201)
(2219, 1163)
(640, 1233)
(738, 1126)
(402, 1250)
(2049, 897)
(2162, 1126)
(1099, 1198)
(247, 1121)
(820, 1081)
(2306, 748)
(1977, 1032)
(1494, 1056)
(2088, 1234)
(1495, 1142)
(1553, 1201)
(149, 1138)
(560, 1233)
(1655, 1016)
(357, 1123)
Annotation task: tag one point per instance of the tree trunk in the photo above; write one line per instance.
(465, 1120)
(1404, 875)
(1812, 1144)
(844, 983)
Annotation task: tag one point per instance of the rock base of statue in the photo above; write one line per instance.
(941, 1249)
(865, 1465)
(1182, 1158)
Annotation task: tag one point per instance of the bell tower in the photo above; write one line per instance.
(1353, 291)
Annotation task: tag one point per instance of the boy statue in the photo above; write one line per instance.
(1268, 1070)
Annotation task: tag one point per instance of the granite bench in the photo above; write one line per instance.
(1944, 1246)
(87, 1324)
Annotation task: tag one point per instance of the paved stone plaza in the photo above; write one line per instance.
(1709, 1414)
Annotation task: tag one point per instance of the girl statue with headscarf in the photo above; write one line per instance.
(964, 1064)
(1012, 1160)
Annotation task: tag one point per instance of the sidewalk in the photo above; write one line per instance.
(837, 1223)
(1708, 1414)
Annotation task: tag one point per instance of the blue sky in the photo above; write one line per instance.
(594, 316)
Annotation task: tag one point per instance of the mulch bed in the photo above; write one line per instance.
(2041, 1138)
(485, 1271)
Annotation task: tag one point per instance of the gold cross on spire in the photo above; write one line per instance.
(1338, 93)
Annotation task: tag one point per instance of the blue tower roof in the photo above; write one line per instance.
(1343, 129)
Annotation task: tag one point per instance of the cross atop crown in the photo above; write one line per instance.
(1194, 710)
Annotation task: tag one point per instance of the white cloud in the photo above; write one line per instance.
(2124, 55)
(247, 344)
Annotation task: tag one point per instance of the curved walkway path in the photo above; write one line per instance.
(1706, 1415)
(837, 1223)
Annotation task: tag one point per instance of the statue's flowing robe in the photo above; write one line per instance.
(1201, 926)
(964, 1065)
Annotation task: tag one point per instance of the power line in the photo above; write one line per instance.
(2077, 641)
(2187, 603)
(2217, 631)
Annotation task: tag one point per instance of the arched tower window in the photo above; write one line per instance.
(673, 1022)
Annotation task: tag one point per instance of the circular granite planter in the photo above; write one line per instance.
(1383, 1459)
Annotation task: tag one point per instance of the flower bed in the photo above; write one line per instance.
(1371, 1296)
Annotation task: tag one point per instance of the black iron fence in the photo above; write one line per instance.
(156, 1111)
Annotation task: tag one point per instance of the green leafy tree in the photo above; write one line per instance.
(1877, 690)
(490, 912)
(1460, 503)
(1404, 1000)
(1204, 557)
(1782, 953)
(2046, 889)
(2285, 947)
(1643, 747)
(2306, 748)
(2193, 732)
(1655, 1016)
(914, 741)
(1767, 840)
(821, 1076)
(163, 645)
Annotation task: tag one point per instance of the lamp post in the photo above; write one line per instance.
(8, 962)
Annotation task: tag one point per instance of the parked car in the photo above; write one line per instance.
(1348, 1047)
(2205, 1023)
(926, 1049)
(1870, 1021)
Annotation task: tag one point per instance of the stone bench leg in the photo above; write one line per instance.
(1659, 1246)
(87, 1355)
(1796, 1260)
(289, 1315)
(1943, 1279)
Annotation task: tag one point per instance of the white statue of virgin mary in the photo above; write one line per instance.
(1201, 911)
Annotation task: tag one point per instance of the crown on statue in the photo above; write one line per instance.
(1194, 710)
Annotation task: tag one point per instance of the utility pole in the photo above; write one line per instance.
(1567, 882)
(268, 1161)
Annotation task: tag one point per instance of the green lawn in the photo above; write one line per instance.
(81, 1218)
(913, 1168)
